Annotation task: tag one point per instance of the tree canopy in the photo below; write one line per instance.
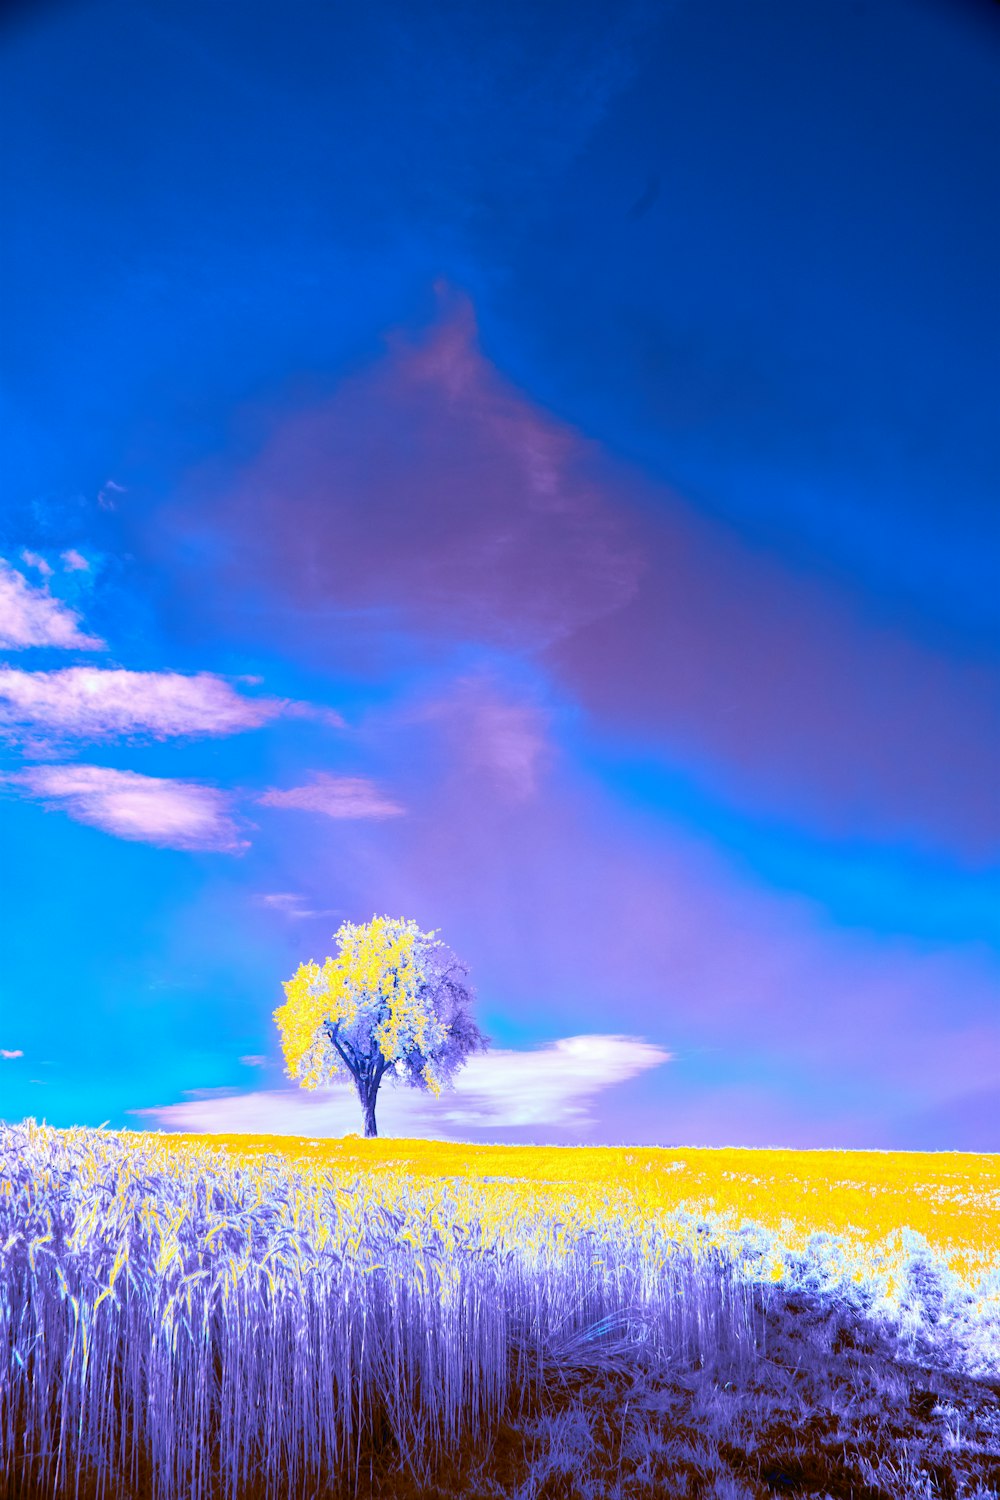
(395, 1000)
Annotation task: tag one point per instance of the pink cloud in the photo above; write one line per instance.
(335, 797)
(776, 689)
(94, 703)
(15, 1053)
(148, 809)
(429, 496)
(493, 727)
(36, 561)
(74, 562)
(429, 488)
(31, 616)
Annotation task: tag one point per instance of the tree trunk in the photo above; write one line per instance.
(369, 1104)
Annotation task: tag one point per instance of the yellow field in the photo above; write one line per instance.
(865, 1198)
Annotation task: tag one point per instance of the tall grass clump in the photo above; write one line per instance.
(175, 1321)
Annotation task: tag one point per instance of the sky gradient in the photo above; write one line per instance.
(534, 469)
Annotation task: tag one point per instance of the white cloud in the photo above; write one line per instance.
(74, 562)
(254, 1060)
(16, 1053)
(554, 1085)
(31, 616)
(335, 797)
(96, 703)
(148, 809)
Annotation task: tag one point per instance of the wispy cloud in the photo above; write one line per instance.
(37, 561)
(335, 797)
(510, 740)
(149, 809)
(92, 703)
(290, 904)
(254, 1060)
(15, 1053)
(74, 562)
(554, 1085)
(31, 616)
(495, 729)
(106, 495)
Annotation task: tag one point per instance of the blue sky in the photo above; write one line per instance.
(529, 468)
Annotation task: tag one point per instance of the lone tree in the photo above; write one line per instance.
(395, 1000)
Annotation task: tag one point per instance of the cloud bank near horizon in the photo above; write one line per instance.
(552, 1085)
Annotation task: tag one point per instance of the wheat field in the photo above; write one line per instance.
(241, 1316)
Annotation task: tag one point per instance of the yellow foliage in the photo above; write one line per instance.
(374, 982)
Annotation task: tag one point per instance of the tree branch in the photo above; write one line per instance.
(353, 1064)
